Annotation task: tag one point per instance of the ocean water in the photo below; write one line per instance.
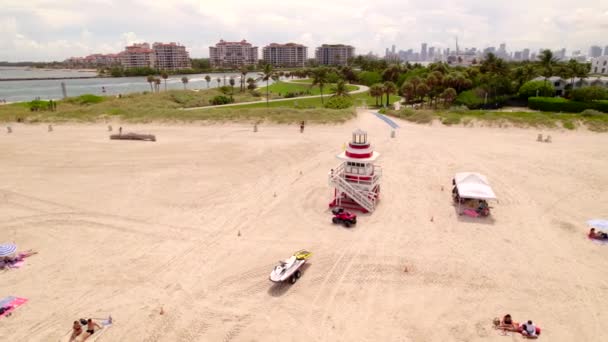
(27, 90)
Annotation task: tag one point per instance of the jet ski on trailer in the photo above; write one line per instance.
(289, 269)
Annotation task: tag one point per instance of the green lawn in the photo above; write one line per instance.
(280, 89)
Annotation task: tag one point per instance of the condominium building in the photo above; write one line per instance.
(171, 56)
(94, 60)
(232, 54)
(138, 56)
(285, 55)
(335, 54)
(599, 65)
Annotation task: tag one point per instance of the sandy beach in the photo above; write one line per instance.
(127, 227)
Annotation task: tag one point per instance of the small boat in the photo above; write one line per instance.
(290, 269)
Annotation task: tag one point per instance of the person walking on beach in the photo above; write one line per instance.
(302, 127)
(120, 130)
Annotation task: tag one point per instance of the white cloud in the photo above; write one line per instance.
(47, 30)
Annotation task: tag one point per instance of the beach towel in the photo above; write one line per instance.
(470, 213)
(12, 305)
(599, 242)
(6, 300)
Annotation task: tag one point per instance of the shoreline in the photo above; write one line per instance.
(49, 78)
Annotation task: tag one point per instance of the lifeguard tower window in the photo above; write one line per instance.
(359, 138)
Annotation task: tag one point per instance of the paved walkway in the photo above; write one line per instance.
(362, 89)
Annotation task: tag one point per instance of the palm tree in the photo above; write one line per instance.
(415, 81)
(389, 88)
(164, 75)
(208, 79)
(251, 84)
(407, 90)
(431, 81)
(157, 83)
(232, 86)
(219, 80)
(391, 73)
(266, 75)
(448, 95)
(244, 71)
(582, 72)
(319, 77)
(376, 91)
(422, 91)
(150, 80)
(340, 89)
(185, 81)
(547, 60)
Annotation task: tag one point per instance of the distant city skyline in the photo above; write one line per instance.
(428, 53)
(36, 31)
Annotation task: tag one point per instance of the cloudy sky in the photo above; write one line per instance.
(40, 30)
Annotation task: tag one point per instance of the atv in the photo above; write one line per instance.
(345, 217)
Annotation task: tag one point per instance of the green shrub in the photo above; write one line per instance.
(369, 78)
(255, 93)
(421, 117)
(587, 94)
(450, 119)
(85, 99)
(470, 99)
(225, 90)
(220, 100)
(558, 104)
(568, 124)
(37, 105)
(536, 88)
(338, 102)
(591, 113)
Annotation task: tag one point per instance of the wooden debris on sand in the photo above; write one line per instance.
(133, 136)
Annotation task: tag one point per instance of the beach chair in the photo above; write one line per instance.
(539, 138)
(548, 139)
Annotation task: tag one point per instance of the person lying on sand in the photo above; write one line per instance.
(506, 323)
(76, 331)
(599, 235)
(91, 328)
(8, 261)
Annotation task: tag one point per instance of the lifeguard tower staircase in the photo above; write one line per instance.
(356, 181)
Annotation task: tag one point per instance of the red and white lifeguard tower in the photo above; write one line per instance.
(357, 180)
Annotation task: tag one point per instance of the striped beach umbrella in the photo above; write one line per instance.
(600, 224)
(7, 249)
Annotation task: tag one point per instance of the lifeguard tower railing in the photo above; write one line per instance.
(358, 187)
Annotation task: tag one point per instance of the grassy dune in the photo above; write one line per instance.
(594, 122)
(166, 107)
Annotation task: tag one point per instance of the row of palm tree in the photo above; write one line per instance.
(156, 81)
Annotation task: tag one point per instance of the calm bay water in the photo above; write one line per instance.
(26, 90)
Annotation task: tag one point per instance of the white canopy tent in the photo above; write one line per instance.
(473, 185)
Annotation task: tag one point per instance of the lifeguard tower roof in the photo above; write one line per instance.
(359, 149)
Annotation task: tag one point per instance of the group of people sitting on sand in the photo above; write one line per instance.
(91, 328)
(597, 235)
(528, 329)
(10, 261)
